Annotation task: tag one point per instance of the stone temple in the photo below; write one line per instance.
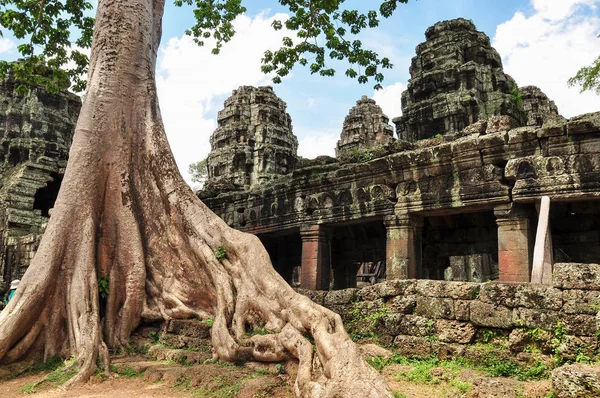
(253, 142)
(453, 196)
(36, 132)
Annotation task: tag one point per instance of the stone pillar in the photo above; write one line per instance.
(515, 242)
(316, 257)
(403, 246)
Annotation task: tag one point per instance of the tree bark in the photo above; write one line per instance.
(125, 214)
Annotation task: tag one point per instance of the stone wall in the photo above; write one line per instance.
(520, 320)
(36, 131)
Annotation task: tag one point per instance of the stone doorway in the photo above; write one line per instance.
(460, 247)
(575, 230)
(357, 246)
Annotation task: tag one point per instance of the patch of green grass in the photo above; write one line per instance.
(258, 331)
(217, 362)
(398, 394)
(209, 322)
(488, 335)
(154, 336)
(361, 325)
(463, 387)
(135, 349)
(261, 372)
(183, 382)
(127, 371)
(35, 367)
(59, 376)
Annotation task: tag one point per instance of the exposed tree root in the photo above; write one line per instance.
(125, 214)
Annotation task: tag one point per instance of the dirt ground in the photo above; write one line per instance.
(138, 377)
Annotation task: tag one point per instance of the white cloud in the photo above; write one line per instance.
(389, 99)
(312, 145)
(6, 45)
(548, 47)
(192, 82)
(558, 9)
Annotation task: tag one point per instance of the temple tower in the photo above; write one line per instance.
(253, 142)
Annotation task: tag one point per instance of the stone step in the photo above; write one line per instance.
(190, 343)
(189, 328)
(186, 357)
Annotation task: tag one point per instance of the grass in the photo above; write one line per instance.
(62, 372)
(220, 386)
(420, 371)
(129, 372)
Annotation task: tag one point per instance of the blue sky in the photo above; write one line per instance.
(542, 42)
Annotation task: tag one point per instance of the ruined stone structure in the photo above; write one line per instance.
(537, 106)
(517, 322)
(36, 131)
(253, 142)
(365, 127)
(456, 80)
(458, 206)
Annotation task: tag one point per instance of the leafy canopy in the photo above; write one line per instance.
(45, 29)
(198, 171)
(324, 30)
(588, 78)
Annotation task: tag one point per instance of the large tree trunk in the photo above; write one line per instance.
(125, 214)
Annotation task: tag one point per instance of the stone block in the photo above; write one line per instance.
(345, 296)
(583, 124)
(532, 318)
(391, 323)
(576, 276)
(412, 345)
(572, 346)
(519, 339)
(434, 307)
(403, 304)
(576, 381)
(184, 342)
(366, 308)
(457, 270)
(497, 124)
(447, 351)
(490, 315)
(480, 354)
(445, 289)
(454, 331)
(579, 324)
(462, 310)
(552, 127)
(521, 295)
(386, 289)
(414, 325)
(581, 301)
(189, 328)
